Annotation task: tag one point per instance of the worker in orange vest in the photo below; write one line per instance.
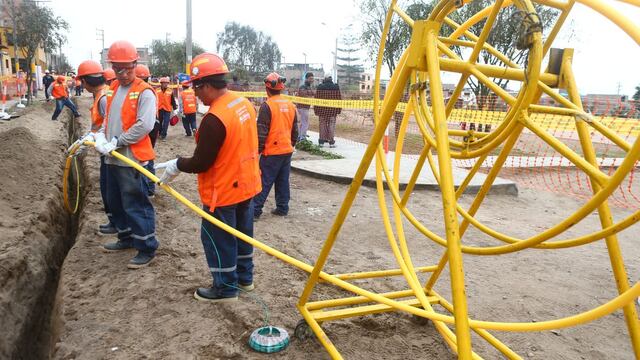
(131, 109)
(109, 76)
(226, 161)
(143, 73)
(166, 106)
(78, 84)
(59, 90)
(277, 136)
(91, 76)
(189, 105)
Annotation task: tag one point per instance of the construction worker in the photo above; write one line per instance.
(109, 76)
(277, 135)
(143, 73)
(166, 106)
(226, 161)
(59, 90)
(91, 76)
(189, 105)
(78, 85)
(131, 109)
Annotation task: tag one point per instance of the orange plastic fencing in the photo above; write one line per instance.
(531, 164)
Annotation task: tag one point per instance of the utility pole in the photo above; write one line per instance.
(166, 38)
(335, 63)
(188, 44)
(100, 37)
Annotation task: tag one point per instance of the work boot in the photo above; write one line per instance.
(107, 229)
(140, 260)
(211, 294)
(278, 212)
(117, 246)
(246, 287)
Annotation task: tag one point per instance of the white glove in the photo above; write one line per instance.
(170, 170)
(79, 143)
(174, 113)
(105, 148)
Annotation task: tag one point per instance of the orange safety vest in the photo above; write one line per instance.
(235, 175)
(278, 140)
(96, 117)
(189, 102)
(164, 99)
(59, 90)
(142, 150)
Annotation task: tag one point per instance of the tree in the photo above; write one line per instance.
(169, 57)
(503, 35)
(636, 98)
(350, 69)
(247, 51)
(36, 27)
(64, 66)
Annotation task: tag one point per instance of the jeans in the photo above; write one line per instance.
(304, 122)
(60, 104)
(133, 213)
(164, 117)
(230, 260)
(149, 185)
(189, 123)
(103, 188)
(275, 169)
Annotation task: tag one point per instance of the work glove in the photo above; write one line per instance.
(104, 147)
(170, 170)
(80, 142)
(174, 113)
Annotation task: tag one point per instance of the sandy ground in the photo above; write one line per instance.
(108, 311)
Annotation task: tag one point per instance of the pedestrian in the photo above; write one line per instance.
(226, 161)
(131, 109)
(58, 89)
(189, 105)
(143, 73)
(277, 135)
(327, 115)
(91, 76)
(305, 90)
(47, 80)
(166, 106)
(109, 76)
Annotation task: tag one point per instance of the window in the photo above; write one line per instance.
(361, 86)
(368, 87)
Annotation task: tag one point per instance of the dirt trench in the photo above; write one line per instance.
(37, 232)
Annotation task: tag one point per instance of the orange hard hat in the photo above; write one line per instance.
(89, 67)
(274, 81)
(122, 51)
(142, 71)
(60, 78)
(165, 79)
(109, 74)
(207, 64)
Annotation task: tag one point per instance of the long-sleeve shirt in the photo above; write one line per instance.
(145, 120)
(264, 124)
(211, 136)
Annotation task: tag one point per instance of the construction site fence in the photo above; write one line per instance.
(532, 163)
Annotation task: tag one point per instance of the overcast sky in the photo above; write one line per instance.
(605, 58)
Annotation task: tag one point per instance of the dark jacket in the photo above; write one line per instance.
(47, 80)
(327, 90)
(304, 91)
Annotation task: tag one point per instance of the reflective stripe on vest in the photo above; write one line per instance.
(278, 140)
(96, 117)
(189, 102)
(142, 150)
(164, 100)
(59, 91)
(235, 175)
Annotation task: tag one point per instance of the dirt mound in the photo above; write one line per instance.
(36, 231)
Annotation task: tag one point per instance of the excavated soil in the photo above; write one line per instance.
(106, 311)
